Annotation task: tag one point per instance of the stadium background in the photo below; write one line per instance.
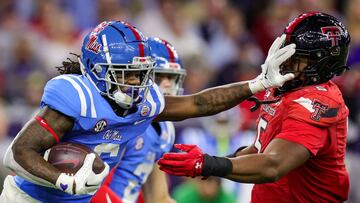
(220, 41)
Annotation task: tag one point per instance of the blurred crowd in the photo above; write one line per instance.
(220, 41)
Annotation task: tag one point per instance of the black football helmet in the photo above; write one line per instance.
(323, 41)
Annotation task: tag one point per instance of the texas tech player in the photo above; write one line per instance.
(298, 155)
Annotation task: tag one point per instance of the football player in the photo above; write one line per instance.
(137, 166)
(106, 99)
(298, 155)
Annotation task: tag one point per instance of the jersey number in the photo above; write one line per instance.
(142, 170)
(260, 128)
(111, 148)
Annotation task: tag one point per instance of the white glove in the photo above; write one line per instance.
(270, 75)
(85, 181)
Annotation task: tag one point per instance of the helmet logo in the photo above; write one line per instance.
(92, 44)
(332, 33)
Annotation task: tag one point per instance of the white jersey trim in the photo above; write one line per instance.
(161, 98)
(305, 102)
(80, 92)
(171, 134)
(92, 104)
(150, 99)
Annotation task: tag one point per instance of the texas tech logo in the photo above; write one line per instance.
(333, 34)
(100, 126)
(319, 109)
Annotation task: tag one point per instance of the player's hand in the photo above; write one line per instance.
(188, 164)
(270, 76)
(85, 181)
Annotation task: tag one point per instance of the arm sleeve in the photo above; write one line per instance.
(311, 137)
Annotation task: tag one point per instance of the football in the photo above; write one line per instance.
(69, 157)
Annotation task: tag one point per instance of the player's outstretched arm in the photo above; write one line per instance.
(279, 158)
(24, 155)
(214, 100)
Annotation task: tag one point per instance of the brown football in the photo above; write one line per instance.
(69, 157)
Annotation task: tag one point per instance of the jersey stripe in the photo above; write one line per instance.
(170, 51)
(80, 92)
(92, 104)
(138, 38)
(161, 98)
(171, 134)
(305, 102)
(152, 103)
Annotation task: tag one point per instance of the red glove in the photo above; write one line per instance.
(188, 164)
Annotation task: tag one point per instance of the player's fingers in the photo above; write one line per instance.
(86, 168)
(288, 76)
(279, 41)
(176, 156)
(169, 163)
(285, 55)
(184, 147)
(89, 159)
(284, 50)
(105, 172)
(171, 172)
(97, 179)
(275, 46)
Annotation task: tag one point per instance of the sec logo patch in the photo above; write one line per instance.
(100, 125)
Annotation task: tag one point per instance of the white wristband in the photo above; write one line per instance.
(256, 86)
(65, 183)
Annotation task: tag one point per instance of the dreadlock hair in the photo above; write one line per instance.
(69, 66)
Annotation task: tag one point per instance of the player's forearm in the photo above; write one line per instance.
(35, 164)
(214, 100)
(244, 150)
(156, 189)
(255, 168)
(31, 141)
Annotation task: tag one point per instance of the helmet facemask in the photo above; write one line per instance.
(310, 67)
(126, 84)
(175, 77)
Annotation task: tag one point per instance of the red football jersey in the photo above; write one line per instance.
(315, 117)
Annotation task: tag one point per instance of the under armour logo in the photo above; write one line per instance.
(198, 165)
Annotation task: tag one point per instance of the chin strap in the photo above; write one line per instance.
(258, 102)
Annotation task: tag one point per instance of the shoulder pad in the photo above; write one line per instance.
(69, 95)
(316, 108)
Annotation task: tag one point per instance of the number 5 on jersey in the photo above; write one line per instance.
(260, 128)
